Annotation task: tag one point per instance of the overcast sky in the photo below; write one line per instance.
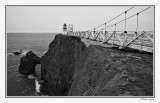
(31, 19)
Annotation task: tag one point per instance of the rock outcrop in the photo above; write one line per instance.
(70, 68)
(111, 72)
(58, 63)
(28, 63)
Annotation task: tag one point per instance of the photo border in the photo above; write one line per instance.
(79, 96)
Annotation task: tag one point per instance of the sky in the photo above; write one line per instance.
(50, 19)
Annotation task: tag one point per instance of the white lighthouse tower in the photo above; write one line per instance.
(64, 29)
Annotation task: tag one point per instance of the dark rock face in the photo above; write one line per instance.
(28, 63)
(57, 65)
(69, 68)
(111, 72)
(17, 52)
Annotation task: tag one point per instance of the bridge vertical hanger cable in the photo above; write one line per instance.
(137, 22)
(94, 32)
(105, 30)
(125, 21)
(125, 32)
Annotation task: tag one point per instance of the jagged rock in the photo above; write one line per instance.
(18, 52)
(69, 68)
(58, 63)
(103, 71)
(28, 63)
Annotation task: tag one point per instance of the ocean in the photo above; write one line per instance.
(16, 83)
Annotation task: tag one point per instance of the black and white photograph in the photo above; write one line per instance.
(80, 51)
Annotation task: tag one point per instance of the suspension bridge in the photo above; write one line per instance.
(140, 40)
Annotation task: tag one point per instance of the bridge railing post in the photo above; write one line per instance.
(89, 33)
(101, 35)
(124, 40)
(94, 33)
(85, 33)
(142, 42)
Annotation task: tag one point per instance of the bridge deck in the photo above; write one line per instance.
(142, 41)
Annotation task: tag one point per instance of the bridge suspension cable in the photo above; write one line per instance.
(112, 19)
(126, 18)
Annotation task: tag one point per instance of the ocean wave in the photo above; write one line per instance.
(18, 52)
(31, 76)
(24, 52)
(37, 85)
(20, 75)
(18, 80)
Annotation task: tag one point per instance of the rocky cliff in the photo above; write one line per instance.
(57, 65)
(70, 68)
(111, 72)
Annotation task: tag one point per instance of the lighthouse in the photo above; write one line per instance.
(64, 29)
